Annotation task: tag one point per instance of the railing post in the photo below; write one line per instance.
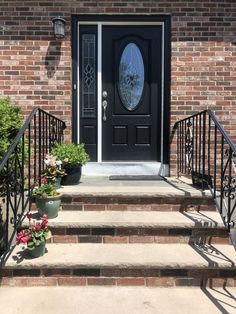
(215, 152)
(178, 144)
(39, 145)
(209, 150)
(222, 175)
(204, 149)
(230, 190)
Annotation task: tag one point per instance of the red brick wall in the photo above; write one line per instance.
(35, 69)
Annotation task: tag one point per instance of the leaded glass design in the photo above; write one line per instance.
(131, 76)
(88, 76)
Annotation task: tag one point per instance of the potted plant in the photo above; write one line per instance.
(47, 199)
(53, 171)
(73, 157)
(34, 236)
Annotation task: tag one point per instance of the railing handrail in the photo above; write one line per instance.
(20, 134)
(222, 130)
(217, 123)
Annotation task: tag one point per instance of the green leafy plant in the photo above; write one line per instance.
(10, 124)
(70, 154)
(34, 235)
(45, 189)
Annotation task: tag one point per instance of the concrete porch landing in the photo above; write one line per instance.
(101, 185)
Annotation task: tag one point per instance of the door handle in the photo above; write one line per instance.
(104, 104)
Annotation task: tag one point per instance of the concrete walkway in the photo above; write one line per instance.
(117, 300)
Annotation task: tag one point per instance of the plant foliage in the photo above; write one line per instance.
(70, 154)
(35, 234)
(45, 189)
(10, 124)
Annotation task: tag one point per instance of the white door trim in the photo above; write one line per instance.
(99, 91)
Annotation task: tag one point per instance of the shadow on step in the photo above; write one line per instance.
(211, 254)
(215, 294)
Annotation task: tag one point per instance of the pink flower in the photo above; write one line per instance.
(44, 221)
(43, 181)
(19, 236)
(29, 216)
(37, 227)
(24, 240)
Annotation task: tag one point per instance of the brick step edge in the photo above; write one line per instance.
(161, 203)
(174, 203)
(137, 239)
(135, 207)
(131, 234)
(139, 235)
(117, 281)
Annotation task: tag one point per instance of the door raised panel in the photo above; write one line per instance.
(143, 135)
(120, 135)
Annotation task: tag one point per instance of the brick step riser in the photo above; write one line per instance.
(137, 207)
(134, 207)
(119, 277)
(139, 235)
(136, 203)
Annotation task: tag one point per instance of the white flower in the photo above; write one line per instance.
(46, 161)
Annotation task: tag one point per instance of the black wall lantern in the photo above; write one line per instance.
(59, 27)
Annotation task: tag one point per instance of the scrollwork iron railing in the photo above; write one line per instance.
(21, 165)
(205, 151)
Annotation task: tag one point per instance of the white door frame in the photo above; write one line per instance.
(99, 76)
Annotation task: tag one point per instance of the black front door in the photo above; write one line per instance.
(131, 93)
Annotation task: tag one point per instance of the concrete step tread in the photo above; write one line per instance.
(127, 255)
(143, 219)
(102, 186)
(117, 300)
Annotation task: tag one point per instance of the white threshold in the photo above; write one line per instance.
(125, 168)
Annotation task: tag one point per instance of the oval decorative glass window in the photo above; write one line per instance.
(131, 76)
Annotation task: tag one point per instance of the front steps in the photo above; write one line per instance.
(139, 235)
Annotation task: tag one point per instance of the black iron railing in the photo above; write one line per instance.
(205, 151)
(21, 166)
